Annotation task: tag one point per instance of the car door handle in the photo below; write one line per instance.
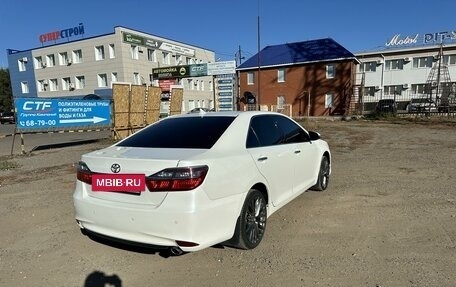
(297, 151)
(262, 158)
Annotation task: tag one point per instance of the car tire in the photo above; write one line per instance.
(323, 175)
(251, 223)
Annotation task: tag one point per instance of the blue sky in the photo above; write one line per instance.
(223, 26)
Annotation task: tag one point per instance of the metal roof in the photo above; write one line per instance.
(298, 53)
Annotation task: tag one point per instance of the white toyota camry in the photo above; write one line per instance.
(191, 181)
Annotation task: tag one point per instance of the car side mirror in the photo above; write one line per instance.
(314, 136)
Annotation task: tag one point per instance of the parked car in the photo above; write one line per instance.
(7, 118)
(447, 103)
(386, 106)
(191, 181)
(418, 105)
(199, 110)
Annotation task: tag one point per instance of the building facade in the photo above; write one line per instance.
(406, 68)
(311, 78)
(80, 67)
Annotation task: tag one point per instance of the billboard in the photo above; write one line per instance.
(56, 114)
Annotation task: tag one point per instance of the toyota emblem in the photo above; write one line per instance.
(115, 168)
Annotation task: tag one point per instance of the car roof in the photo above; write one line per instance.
(246, 114)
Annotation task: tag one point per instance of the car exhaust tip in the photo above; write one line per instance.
(176, 251)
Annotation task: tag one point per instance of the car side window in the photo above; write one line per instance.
(263, 131)
(292, 133)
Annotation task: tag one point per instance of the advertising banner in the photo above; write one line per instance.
(56, 114)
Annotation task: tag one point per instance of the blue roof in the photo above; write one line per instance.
(299, 53)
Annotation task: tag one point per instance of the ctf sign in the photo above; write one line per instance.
(56, 114)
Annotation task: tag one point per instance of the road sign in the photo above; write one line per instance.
(56, 114)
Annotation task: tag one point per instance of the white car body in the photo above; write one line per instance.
(206, 215)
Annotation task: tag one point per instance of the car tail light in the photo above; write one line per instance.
(83, 173)
(177, 179)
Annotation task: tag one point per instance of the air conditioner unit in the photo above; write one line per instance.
(69, 62)
(43, 65)
(405, 86)
(406, 59)
(434, 84)
(379, 62)
(71, 86)
(45, 82)
(24, 59)
(378, 88)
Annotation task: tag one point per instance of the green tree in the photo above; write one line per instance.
(6, 94)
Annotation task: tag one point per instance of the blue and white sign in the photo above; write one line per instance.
(56, 114)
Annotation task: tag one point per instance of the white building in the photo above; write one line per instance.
(407, 67)
(84, 66)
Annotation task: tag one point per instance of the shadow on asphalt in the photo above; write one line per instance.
(64, 144)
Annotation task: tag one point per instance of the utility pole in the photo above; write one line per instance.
(239, 57)
(259, 61)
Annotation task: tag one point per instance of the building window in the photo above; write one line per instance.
(63, 59)
(21, 63)
(202, 85)
(38, 62)
(66, 84)
(394, 64)
(53, 85)
(329, 100)
(330, 71)
(50, 60)
(369, 91)
(134, 52)
(99, 53)
(166, 58)
(423, 62)
(191, 105)
(189, 61)
(250, 78)
(112, 51)
(151, 55)
(449, 60)
(368, 67)
(392, 90)
(102, 80)
(114, 77)
(178, 59)
(418, 89)
(25, 87)
(281, 75)
(80, 82)
(136, 79)
(211, 86)
(280, 102)
(77, 56)
(41, 85)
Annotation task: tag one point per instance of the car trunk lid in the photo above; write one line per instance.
(130, 160)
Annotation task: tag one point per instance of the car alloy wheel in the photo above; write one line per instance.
(323, 175)
(252, 221)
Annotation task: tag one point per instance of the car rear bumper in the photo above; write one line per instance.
(183, 216)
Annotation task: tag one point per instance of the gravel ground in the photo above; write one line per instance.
(388, 218)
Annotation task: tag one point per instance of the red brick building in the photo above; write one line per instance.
(311, 78)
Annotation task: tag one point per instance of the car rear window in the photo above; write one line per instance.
(185, 132)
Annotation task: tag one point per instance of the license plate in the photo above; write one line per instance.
(118, 182)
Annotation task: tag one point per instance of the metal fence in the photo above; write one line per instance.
(362, 103)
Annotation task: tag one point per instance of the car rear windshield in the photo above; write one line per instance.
(185, 132)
